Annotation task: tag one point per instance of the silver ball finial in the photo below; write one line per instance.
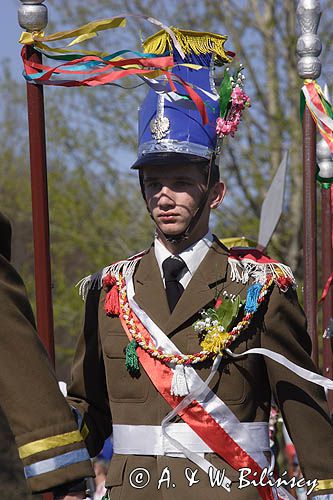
(32, 15)
(309, 45)
(324, 155)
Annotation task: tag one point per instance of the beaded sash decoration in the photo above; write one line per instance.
(116, 304)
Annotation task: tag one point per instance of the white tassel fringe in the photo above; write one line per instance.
(179, 385)
(242, 270)
(125, 267)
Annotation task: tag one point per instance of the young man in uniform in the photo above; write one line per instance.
(50, 446)
(162, 360)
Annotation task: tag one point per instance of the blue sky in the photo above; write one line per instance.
(10, 33)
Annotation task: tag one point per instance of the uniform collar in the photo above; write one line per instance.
(192, 256)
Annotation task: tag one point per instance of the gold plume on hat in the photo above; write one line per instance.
(197, 42)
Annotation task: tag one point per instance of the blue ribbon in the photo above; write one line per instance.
(51, 464)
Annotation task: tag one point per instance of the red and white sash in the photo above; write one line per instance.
(201, 409)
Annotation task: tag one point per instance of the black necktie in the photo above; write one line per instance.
(172, 267)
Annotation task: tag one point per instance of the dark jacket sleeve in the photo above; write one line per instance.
(49, 443)
(87, 391)
(302, 403)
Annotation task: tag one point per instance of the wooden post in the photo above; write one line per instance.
(33, 17)
(40, 212)
(309, 67)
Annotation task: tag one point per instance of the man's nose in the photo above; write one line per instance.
(165, 198)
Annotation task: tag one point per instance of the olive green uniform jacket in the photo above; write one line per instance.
(104, 391)
(42, 423)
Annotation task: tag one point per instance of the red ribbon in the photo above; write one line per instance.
(192, 94)
(33, 67)
(326, 288)
(254, 254)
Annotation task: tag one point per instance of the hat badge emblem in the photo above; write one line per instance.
(160, 125)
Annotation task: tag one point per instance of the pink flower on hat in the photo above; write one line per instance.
(239, 98)
(226, 127)
(238, 101)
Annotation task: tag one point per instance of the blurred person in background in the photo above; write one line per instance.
(49, 444)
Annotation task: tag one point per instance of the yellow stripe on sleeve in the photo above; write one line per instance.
(48, 443)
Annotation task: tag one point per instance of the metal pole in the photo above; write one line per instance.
(325, 164)
(309, 67)
(33, 17)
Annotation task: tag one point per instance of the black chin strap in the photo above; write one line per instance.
(179, 238)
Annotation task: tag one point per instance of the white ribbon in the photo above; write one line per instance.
(149, 439)
(315, 378)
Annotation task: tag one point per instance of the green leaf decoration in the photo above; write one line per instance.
(228, 312)
(225, 93)
(327, 106)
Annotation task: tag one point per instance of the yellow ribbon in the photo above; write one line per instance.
(81, 34)
(238, 241)
(48, 443)
(57, 50)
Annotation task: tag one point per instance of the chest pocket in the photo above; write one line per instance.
(122, 387)
(229, 383)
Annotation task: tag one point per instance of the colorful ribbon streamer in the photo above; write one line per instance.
(320, 109)
(92, 68)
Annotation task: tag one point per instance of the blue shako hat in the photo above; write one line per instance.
(171, 128)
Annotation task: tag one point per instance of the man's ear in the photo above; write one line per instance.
(217, 194)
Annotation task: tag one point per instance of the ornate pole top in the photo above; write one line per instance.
(324, 155)
(308, 44)
(32, 15)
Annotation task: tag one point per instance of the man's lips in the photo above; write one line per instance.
(167, 216)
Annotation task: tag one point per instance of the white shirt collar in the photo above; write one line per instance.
(192, 256)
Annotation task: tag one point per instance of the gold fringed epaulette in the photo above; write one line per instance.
(197, 42)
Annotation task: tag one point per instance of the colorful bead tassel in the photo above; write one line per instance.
(252, 296)
(132, 362)
(111, 304)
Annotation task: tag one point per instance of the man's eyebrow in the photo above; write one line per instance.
(178, 177)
